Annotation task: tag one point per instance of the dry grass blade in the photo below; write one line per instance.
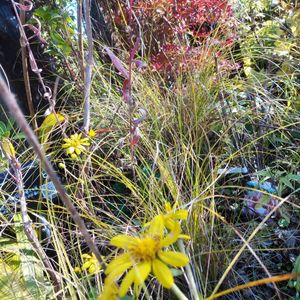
(272, 279)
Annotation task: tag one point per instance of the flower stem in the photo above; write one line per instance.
(189, 273)
(175, 289)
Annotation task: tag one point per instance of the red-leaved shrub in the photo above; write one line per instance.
(174, 33)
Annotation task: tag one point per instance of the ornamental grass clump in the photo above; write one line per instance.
(145, 255)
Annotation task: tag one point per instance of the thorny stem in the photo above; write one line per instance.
(10, 100)
(89, 66)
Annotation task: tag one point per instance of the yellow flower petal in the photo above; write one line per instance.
(124, 241)
(117, 272)
(92, 269)
(181, 214)
(73, 156)
(91, 133)
(169, 222)
(77, 151)
(141, 271)
(168, 207)
(86, 265)
(110, 292)
(70, 150)
(173, 258)
(157, 226)
(85, 256)
(119, 262)
(172, 237)
(162, 273)
(184, 236)
(126, 283)
(67, 140)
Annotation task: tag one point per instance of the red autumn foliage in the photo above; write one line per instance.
(174, 31)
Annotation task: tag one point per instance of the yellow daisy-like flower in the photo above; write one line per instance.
(145, 255)
(75, 145)
(91, 133)
(173, 215)
(90, 264)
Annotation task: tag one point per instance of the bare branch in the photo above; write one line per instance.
(89, 66)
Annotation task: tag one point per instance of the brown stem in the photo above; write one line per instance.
(25, 73)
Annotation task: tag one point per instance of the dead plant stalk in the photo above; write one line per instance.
(89, 66)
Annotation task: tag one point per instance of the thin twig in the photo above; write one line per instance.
(89, 66)
(10, 100)
(80, 40)
(30, 234)
(25, 73)
(25, 43)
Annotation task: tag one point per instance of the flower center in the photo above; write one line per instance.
(75, 143)
(146, 249)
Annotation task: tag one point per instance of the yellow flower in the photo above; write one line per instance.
(90, 263)
(173, 215)
(144, 255)
(91, 133)
(75, 145)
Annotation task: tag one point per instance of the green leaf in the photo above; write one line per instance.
(264, 200)
(126, 298)
(283, 223)
(19, 136)
(296, 282)
(3, 128)
(286, 182)
(293, 177)
(176, 272)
